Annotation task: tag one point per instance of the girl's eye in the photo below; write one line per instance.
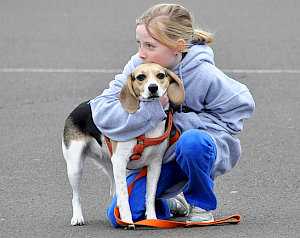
(150, 46)
(141, 77)
(161, 76)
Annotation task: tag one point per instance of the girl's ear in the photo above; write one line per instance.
(176, 92)
(181, 44)
(127, 97)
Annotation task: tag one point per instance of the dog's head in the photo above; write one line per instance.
(149, 82)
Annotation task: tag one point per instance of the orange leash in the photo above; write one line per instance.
(234, 219)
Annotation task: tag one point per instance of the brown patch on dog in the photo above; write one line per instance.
(127, 96)
(176, 91)
(113, 145)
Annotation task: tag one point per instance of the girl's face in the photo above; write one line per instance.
(152, 51)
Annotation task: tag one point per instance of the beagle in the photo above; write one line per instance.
(81, 138)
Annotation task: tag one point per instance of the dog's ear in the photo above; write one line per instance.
(127, 97)
(176, 89)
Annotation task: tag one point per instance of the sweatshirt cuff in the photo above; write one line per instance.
(155, 112)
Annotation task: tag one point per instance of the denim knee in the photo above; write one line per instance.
(196, 147)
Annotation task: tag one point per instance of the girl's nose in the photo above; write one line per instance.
(142, 53)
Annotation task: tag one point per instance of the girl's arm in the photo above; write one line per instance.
(222, 102)
(228, 102)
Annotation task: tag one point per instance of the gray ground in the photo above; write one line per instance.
(35, 197)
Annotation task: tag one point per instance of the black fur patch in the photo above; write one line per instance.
(80, 122)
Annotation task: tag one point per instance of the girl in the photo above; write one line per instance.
(212, 113)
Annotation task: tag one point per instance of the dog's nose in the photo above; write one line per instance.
(153, 88)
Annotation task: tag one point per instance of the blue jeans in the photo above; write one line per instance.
(196, 153)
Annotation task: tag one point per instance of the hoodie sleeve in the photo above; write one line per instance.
(227, 102)
(110, 117)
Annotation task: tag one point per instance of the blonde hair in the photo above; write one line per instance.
(169, 22)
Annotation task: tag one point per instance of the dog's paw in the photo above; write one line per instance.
(77, 221)
(151, 215)
(129, 227)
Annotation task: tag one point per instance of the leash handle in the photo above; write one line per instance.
(234, 219)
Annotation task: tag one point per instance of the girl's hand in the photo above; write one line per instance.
(164, 100)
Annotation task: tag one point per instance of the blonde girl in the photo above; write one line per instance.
(208, 120)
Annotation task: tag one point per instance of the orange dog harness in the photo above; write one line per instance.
(143, 142)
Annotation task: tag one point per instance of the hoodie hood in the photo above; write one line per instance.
(195, 56)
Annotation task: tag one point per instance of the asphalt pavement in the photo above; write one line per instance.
(57, 54)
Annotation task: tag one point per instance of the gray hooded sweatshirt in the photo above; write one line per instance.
(219, 104)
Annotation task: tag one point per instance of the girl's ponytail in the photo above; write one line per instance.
(202, 36)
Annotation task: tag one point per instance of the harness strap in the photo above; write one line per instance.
(108, 144)
(143, 142)
(158, 140)
(234, 219)
(174, 135)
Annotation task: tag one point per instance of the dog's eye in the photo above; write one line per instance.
(141, 77)
(161, 76)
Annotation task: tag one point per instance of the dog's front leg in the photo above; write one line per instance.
(153, 173)
(119, 162)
